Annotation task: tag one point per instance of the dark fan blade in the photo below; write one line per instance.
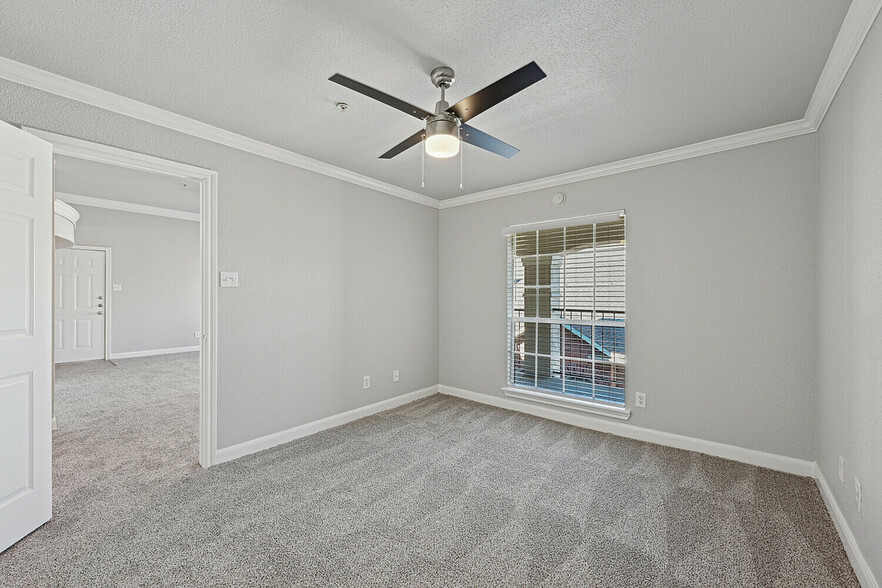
(481, 139)
(497, 92)
(404, 145)
(381, 96)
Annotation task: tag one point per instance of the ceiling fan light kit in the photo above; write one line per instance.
(445, 130)
(442, 138)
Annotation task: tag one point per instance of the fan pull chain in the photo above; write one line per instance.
(423, 165)
(460, 163)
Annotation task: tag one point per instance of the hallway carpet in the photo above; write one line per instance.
(439, 492)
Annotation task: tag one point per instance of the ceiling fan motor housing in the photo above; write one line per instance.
(442, 124)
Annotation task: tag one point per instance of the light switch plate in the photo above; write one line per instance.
(229, 279)
(117, 287)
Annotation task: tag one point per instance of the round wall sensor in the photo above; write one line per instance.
(558, 198)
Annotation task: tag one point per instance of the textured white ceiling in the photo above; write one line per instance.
(625, 77)
(111, 182)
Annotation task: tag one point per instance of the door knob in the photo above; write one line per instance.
(100, 312)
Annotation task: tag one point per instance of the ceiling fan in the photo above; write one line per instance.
(445, 128)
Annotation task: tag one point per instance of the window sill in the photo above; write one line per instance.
(597, 408)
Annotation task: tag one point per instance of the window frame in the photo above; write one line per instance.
(539, 395)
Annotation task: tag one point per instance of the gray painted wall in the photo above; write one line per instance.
(156, 260)
(339, 281)
(849, 342)
(336, 281)
(720, 297)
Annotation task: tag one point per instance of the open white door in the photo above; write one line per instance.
(26, 244)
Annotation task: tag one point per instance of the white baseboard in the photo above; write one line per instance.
(791, 465)
(152, 352)
(855, 556)
(261, 443)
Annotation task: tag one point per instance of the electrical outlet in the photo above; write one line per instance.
(195, 334)
(395, 376)
(641, 400)
(366, 382)
(841, 469)
(857, 494)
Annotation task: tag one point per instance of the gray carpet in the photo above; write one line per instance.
(440, 492)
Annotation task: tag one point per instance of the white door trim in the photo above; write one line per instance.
(208, 251)
(107, 301)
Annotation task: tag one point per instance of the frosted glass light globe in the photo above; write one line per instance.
(442, 146)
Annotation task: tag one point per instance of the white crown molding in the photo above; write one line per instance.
(782, 463)
(79, 199)
(745, 139)
(858, 21)
(860, 17)
(273, 439)
(855, 556)
(74, 90)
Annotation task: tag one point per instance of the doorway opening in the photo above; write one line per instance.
(92, 299)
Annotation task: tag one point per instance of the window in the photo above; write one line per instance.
(566, 308)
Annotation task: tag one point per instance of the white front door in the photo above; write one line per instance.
(26, 243)
(80, 305)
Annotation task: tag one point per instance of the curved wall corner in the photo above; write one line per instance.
(66, 218)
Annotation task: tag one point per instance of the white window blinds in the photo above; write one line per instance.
(566, 308)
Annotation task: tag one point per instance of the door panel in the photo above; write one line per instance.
(16, 278)
(17, 400)
(80, 306)
(84, 334)
(60, 281)
(84, 288)
(26, 241)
